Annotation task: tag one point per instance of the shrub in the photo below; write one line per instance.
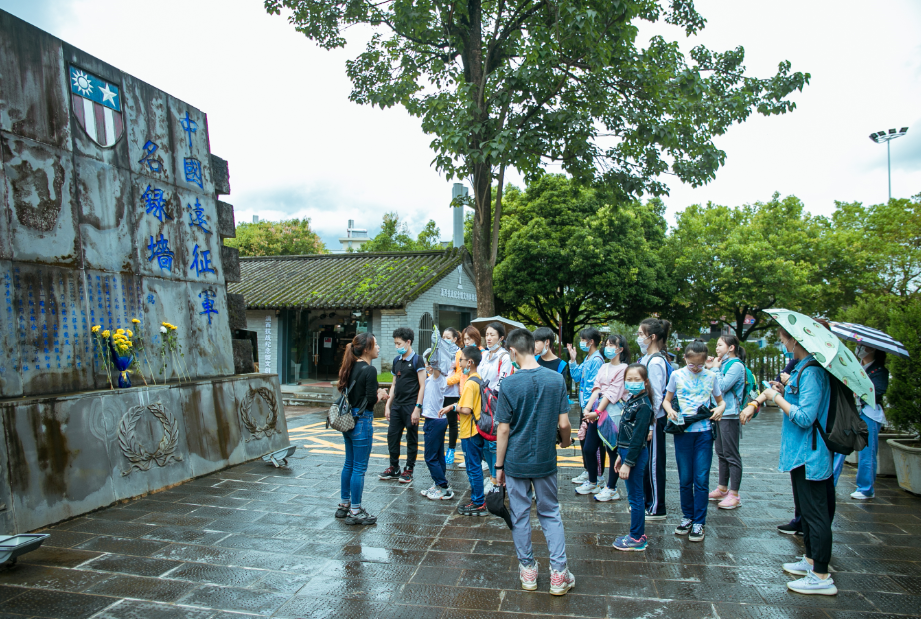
(904, 394)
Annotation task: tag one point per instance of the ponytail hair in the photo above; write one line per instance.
(621, 342)
(658, 327)
(732, 340)
(360, 344)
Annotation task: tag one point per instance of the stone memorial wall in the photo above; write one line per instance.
(109, 215)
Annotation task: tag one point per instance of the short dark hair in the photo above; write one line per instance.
(521, 340)
(404, 333)
(544, 333)
(697, 347)
(473, 353)
(591, 333)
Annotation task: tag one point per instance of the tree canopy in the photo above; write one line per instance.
(730, 263)
(521, 83)
(395, 236)
(291, 237)
(570, 257)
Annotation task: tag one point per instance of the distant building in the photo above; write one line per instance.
(354, 237)
(306, 309)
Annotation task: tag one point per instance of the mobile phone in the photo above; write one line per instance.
(766, 384)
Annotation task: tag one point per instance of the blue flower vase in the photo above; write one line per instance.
(122, 364)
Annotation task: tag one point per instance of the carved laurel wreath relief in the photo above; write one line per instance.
(268, 428)
(138, 455)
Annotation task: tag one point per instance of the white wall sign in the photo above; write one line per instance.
(458, 294)
(268, 343)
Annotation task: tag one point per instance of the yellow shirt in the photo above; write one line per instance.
(470, 398)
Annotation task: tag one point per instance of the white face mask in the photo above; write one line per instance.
(641, 342)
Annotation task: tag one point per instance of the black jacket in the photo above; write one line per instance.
(879, 376)
(634, 426)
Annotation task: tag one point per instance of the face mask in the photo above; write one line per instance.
(724, 357)
(401, 351)
(585, 347)
(466, 371)
(610, 352)
(641, 342)
(545, 350)
(861, 352)
(494, 347)
(515, 365)
(634, 388)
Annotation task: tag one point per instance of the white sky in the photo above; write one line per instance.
(278, 106)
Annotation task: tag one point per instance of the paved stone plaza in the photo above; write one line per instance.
(259, 541)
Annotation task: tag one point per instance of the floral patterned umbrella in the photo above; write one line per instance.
(828, 350)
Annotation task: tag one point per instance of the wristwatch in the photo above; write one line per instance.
(499, 467)
(418, 405)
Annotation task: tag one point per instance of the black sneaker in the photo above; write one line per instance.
(362, 517)
(407, 476)
(685, 527)
(697, 533)
(472, 509)
(342, 512)
(392, 472)
(790, 529)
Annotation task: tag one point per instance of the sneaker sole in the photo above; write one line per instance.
(587, 492)
(716, 498)
(527, 587)
(562, 591)
(631, 549)
(736, 506)
(406, 481)
(610, 498)
(387, 477)
(476, 514)
(862, 498)
(358, 522)
(795, 572)
(789, 532)
(696, 539)
(654, 518)
(677, 532)
(832, 590)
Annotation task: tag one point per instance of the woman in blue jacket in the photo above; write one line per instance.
(805, 400)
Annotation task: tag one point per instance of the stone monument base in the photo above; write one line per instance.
(69, 454)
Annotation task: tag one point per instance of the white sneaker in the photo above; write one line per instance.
(462, 465)
(606, 494)
(429, 491)
(860, 496)
(485, 466)
(812, 584)
(800, 568)
(581, 478)
(528, 577)
(440, 494)
(487, 485)
(587, 488)
(561, 582)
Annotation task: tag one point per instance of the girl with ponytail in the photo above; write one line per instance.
(360, 378)
(652, 339)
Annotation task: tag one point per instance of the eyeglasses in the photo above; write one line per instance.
(696, 366)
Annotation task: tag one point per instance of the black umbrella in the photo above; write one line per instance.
(495, 503)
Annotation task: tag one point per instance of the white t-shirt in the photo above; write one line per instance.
(873, 411)
(433, 398)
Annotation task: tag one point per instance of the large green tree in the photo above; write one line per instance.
(730, 263)
(520, 83)
(291, 237)
(571, 256)
(395, 236)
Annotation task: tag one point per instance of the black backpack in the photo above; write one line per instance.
(844, 432)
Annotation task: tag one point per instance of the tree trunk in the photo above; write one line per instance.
(482, 225)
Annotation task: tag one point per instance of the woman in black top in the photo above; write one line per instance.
(360, 377)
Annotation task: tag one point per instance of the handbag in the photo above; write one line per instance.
(340, 413)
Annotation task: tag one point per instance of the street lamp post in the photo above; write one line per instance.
(882, 136)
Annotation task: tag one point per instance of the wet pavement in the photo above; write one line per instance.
(258, 541)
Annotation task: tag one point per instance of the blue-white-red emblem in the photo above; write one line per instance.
(97, 107)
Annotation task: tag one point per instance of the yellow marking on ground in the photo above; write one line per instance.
(317, 438)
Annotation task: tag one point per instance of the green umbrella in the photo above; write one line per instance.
(828, 350)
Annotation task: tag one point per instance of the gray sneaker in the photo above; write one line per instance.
(800, 568)
(440, 494)
(810, 584)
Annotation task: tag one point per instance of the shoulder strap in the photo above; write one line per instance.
(562, 367)
(809, 364)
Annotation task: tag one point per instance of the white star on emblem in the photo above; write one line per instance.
(108, 95)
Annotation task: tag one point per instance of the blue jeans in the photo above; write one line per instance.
(693, 454)
(867, 459)
(434, 431)
(489, 455)
(635, 492)
(473, 455)
(357, 454)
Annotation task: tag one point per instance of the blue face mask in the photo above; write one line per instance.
(466, 371)
(585, 347)
(401, 351)
(634, 388)
(610, 352)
